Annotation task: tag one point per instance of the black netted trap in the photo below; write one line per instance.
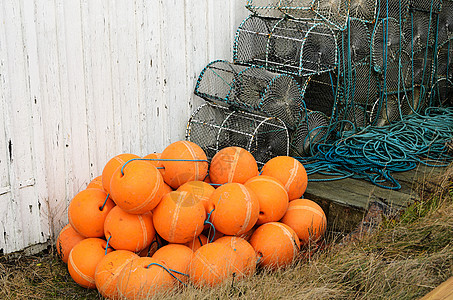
(252, 88)
(386, 43)
(363, 10)
(319, 92)
(355, 43)
(445, 27)
(214, 127)
(265, 8)
(294, 47)
(312, 129)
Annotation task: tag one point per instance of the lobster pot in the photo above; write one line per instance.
(333, 12)
(445, 27)
(320, 92)
(362, 84)
(214, 127)
(293, 47)
(363, 10)
(352, 117)
(355, 43)
(433, 6)
(265, 8)
(312, 129)
(391, 108)
(253, 89)
(299, 10)
(441, 93)
(418, 31)
(397, 75)
(386, 42)
(445, 61)
(397, 9)
(419, 70)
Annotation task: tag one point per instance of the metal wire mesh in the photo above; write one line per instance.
(333, 12)
(441, 93)
(445, 61)
(312, 130)
(426, 5)
(299, 9)
(397, 9)
(214, 127)
(445, 28)
(363, 87)
(363, 10)
(355, 41)
(387, 41)
(265, 8)
(293, 47)
(320, 93)
(354, 117)
(418, 31)
(252, 88)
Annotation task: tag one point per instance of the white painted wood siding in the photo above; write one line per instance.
(84, 80)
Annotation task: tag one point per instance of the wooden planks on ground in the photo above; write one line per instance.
(345, 201)
(442, 292)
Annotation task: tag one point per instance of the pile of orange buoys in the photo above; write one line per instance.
(156, 223)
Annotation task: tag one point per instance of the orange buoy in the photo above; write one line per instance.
(276, 245)
(96, 183)
(244, 252)
(108, 270)
(191, 164)
(307, 219)
(196, 243)
(200, 190)
(126, 231)
(152, 248)
(235, 208)
(167, 189)
(112, 165)
(212, 264)
(66, 240)
(176, 257)
(83, 260)
(87, 212)
(143, 278)
(179, 217)
(232, 164)
(246, 235)
(139, 190)
(272, 197)
(290, 172)
(157, 163)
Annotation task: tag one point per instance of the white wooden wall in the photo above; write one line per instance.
(84, 80)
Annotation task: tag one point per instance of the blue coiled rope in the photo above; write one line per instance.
(374, 153)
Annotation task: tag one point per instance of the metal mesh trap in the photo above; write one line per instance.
(252, 88)
(445, 25)
(294, 47)
(214, 127)
(312, 129)
(265, 8)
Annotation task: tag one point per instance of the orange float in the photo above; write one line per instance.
(96, 183)
(126, 231)
(179, 217)
(191, 163)
(157, 163)
(232, 164)
(66, 240)
(244, 252)
(143, 278)
(87, 212)
(177, 258)
(196, 243)
(290, 172)
(152, 248)
(276, 245)
(139, 189)
(112, 165)
(83, 260)
(307, 219)
(272, 197)
(200, 190)
(235, 209)
(108, 270)
(212, 264)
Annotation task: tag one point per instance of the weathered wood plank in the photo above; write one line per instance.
(442, 292)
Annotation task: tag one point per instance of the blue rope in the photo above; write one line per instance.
(376, 152)
(170, 271)
(210, 224)
(105, 202)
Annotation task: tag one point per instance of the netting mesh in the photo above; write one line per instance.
(294, 47)
(445, 61)
(418, 31)
(396, 9)
(313, 129)
(265, 8)
(445, 28)
(355, 42)
(363, 10)
(363, 85)
(214, 127)
(319, 94)
(386, 43)
(426, 5)
(252, 88)
(333, 12)
(441, 93)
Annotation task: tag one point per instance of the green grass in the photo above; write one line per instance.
(405, 258)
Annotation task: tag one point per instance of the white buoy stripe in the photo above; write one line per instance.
(151, 196)
(84, 276)
(205, 262)
(309, 208)
(293, 173)
(234, 164)
(289, 235)
(175, 216)
(275, 182)
(114, 276)
(194, 156)
(248, 209)
(145, 233)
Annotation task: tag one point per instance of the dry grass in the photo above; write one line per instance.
(403, 259)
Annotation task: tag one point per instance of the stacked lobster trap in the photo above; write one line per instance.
(314, 69)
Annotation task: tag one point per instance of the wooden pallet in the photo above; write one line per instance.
(345, 201)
